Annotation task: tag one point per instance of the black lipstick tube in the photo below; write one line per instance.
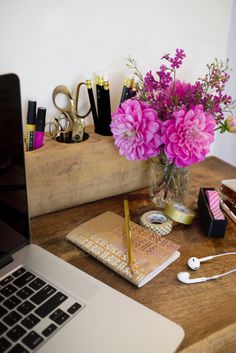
(92, 104)
(134, 89)
(129, 87)
(124, 90)
(100, 104)
(106, 118)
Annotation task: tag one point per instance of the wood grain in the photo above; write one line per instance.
(206, 311)
(62, 175)
(218, 342)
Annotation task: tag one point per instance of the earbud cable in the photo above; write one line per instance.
(227, 253)
(221, 275)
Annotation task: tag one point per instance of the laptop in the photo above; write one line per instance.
(46, 304)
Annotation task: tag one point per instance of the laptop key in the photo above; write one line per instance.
(1, 298)
(30, 321)
(59, 316)
(12, 302)
(75, 307)
(49, 330)
(26, 307)
(19, 272)
(25, 293)
(37, 284)
(8, 290)
(6, 281)
(4, 344)
(32, 340)
(56, 314)
(43, 294)
(12, 318)
(51, 304)
(62, 318)
(24, 279)
(18, 349)
(3, 311)
(16, 332)
(3, 328)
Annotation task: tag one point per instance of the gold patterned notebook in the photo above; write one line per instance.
(104, 238)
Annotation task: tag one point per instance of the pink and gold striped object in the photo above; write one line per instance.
(214, 203)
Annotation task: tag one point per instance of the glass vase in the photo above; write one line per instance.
(168, 183)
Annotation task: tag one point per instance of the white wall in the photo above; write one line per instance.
(225, 144)
(51, 42)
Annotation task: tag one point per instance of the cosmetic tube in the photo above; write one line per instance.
(100, 89)
(92, 104)
(30, 125)
(39, 128)
(124, 90)
(106, 118)
(134, 88)
(129, 87)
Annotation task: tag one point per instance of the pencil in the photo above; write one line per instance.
(128, 234)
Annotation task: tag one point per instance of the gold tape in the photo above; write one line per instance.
(156, 221)
(179, 213)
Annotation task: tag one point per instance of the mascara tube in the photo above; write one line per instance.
(92, 104)
(100, 89)
(39, 128)
(134, 88)
(106, 118)
(129, 87)
(124, 89)
(30, 125)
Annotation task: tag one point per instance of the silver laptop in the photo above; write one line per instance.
(47, 305)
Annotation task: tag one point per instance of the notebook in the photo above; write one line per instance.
(46, 304)
(104, 238)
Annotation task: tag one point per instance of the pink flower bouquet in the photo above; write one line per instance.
(171, 118)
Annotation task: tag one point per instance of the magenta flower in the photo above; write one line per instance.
(136, 130)
(179, 89)
(187, 136)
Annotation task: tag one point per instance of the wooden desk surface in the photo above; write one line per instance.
(206, 311)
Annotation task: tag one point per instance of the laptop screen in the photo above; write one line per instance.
(14, 219)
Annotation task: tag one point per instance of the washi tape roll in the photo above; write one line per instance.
(179, 213)
(156, 221)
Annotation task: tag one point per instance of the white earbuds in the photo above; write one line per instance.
(194, 264)
(185, 278)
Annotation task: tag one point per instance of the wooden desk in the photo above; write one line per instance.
(206, 311)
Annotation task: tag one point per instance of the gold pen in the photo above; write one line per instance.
(128, 235)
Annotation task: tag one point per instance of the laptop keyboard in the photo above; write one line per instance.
(31, 311)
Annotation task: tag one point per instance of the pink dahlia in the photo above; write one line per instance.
(188, 135)
(136, 130)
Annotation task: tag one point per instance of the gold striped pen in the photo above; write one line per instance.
(128, 235)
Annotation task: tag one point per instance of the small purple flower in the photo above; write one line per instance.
(136, 130)
(187, 136)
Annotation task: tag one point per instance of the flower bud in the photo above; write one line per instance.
(230, 124)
